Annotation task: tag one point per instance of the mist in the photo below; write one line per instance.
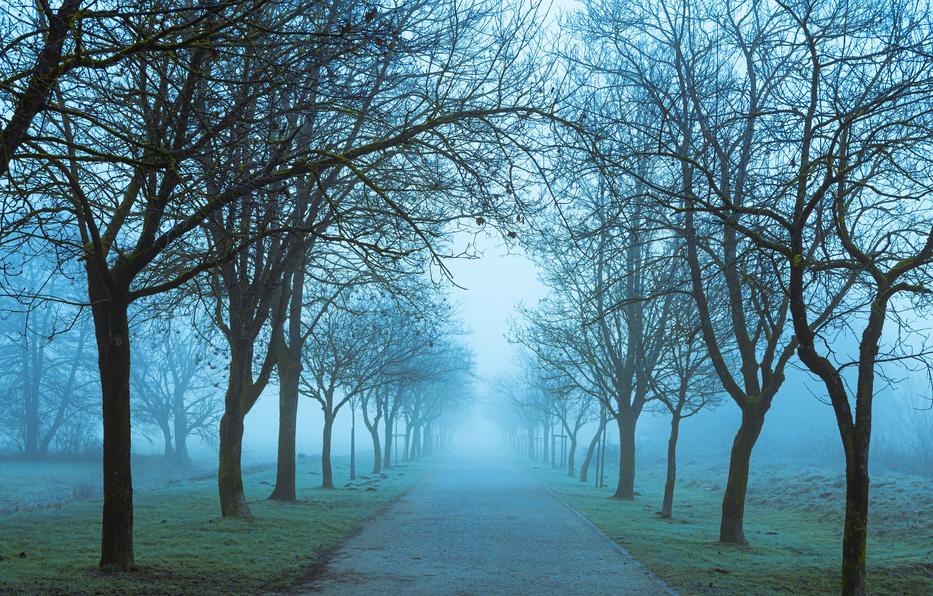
(466, 297)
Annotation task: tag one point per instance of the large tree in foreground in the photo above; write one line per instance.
(844, 205)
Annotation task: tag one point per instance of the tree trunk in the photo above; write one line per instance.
(427, 444)
(405, 451)
(289, 374)
(373, 428)
(572, 456)
(327, 473)
(111, 325)
(546, 456)
(181, 438)
(31, 375)
(531, 442)
(353, 442)
(625, 489)
(168, 449)
(229, 474)
(855, 534)
(731, 527)
(31, 442)
(591, 450)
(389, 439)
(377, 450)
(667, 505)
(415, 442)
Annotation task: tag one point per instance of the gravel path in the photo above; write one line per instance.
(480, 526)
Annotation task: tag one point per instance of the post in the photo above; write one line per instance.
(602, 471)
(563, 451)
(352, 441)
(599, 459)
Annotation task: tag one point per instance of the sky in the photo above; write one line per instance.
(494, 286)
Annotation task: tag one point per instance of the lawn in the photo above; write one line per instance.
(41, 484)
(182, 543)
(793, 524)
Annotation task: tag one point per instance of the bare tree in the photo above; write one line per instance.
(686, 383)
(359, 346)
(603, 326)
(664, 64)
(174, 383)
(843, 207)
(128, 175)
(47, 371)
(796, 128)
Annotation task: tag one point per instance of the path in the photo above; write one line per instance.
(480, 526)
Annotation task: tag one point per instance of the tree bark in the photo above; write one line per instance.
(373, 427)
(327, 472)
(289, 374)
(415, 442)
(229, 473)
(427, 443)
(377, 450)
(591, 450)
(731, 527)
(855, 534)
(181, 436)
(405, 452)
(667, 505)
(572, 456)
(625, 489)
(111, 324)
(32, 373)
(389, 439)
(353, 443)
(168, 450)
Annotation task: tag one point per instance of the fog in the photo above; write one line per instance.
(466, 297)
(485, 290)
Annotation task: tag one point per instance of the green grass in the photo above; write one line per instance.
(182, 544)
(793, 523)
(40, 484)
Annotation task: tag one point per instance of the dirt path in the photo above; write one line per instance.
(480, 526)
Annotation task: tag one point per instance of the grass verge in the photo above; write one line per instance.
(184, 546)
(793, 524)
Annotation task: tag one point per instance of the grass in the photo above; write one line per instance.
(182, 544)
(46, 483)
(793, 523)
